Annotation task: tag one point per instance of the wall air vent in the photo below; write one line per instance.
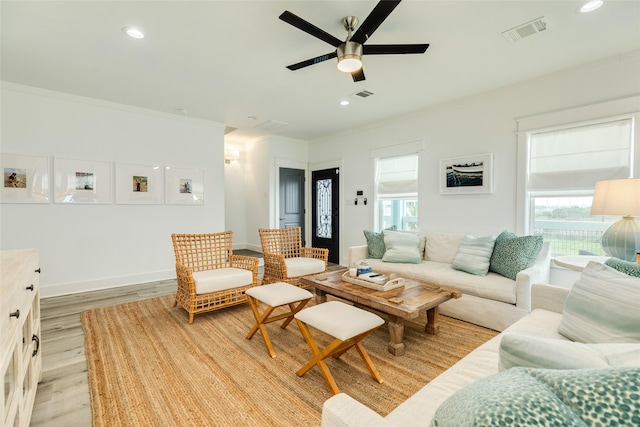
(270, 125)
(526, 30)
(363, 93)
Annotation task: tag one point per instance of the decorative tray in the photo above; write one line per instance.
(392, 283)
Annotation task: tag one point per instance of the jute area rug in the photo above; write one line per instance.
(148, 367)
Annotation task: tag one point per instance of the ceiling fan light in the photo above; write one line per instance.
(349, 64)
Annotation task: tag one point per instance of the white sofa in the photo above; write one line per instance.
(547, 302)
(492, 301)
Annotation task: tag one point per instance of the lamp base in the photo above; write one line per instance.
(622, 239)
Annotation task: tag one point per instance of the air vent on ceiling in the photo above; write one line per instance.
(228, 129)
(526, 30)
(363, 93)
(270, 125)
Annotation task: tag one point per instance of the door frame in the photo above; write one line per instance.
(333, 164)
(274, 212)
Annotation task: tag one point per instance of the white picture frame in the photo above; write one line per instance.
(26, 179)
(138, 184)
(183, 186)
(82, 181)
(467, 175)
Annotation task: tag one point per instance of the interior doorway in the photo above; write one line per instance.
(291, 196)
(325, 212)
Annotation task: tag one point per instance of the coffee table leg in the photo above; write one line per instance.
(321, 296)
(432, 326)
(396, 332)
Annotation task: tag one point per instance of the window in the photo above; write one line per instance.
(563, 165)
(397, 192)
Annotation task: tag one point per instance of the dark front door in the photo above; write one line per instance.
(325, 211)
(292, 199)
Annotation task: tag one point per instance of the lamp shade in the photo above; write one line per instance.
(617, 197)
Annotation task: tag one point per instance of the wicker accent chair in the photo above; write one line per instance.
(285, 260)
(209, 275)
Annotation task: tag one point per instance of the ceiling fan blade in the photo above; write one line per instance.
(373, 21)
(393, 49)
(358, 75)
(316, 60)
(309, 28)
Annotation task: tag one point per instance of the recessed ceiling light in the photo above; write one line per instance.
(590, 6)
(133, 32)
(344, 102)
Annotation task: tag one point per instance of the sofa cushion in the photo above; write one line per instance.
(375, 242)
(534, 352)
(401, 247)
(525, 396)
(512, 254)
(442, 247)
(626, 267)
(474, 254)
(602, 306)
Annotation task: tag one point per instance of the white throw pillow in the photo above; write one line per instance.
(401, 247)
(442, 247)
(551, 353)
(602, 306)
(474, 255)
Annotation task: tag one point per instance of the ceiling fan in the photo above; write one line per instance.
(350, 51)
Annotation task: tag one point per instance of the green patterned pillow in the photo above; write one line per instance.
(401, 247)
(375, 242)
(626, 267)
(602, 306)
(474, 255)
(512, 254)
(546, 397)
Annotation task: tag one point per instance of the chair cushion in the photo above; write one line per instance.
(474, 255)
(279, 293)
(512, 254)
(602, 306)
(301, 266)
(221, 279)
(375, 242)
(339, 320)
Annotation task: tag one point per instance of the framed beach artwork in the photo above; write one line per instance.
(25, 179)
(81, 181)
(467, 175)
(138, 184)
(183, 186)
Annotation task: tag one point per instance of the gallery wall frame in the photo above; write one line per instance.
(138, 184)
(183, 186)
(82, 181)
(26, 179)
(467, 175)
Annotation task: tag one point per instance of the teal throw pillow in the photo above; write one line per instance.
(512, 254)
(401, 247)
(375, 242)
(474, 255)
(626, 267)
(546, 397)
(603, 306)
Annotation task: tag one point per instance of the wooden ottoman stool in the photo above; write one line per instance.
(273, 296)
(348, 325)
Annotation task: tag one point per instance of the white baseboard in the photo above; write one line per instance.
(95, 285)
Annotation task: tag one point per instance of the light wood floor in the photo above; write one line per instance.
(62, 398)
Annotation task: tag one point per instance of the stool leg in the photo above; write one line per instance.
(318, 358)
(260, 325)
(368, 363)
(294, 309)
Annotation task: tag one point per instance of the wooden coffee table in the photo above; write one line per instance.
(398, 304)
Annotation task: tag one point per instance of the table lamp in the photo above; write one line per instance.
(619, 197)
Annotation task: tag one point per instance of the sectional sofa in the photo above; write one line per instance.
(577, 344)
(492, 300)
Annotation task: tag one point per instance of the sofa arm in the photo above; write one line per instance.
(357, 253)
(343, 410)
(548, 297)
(538, 273)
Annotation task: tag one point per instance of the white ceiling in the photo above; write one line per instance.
(225, 60)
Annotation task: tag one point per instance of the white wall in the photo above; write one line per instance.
(85, 247)
(479, 124)
(235, 200)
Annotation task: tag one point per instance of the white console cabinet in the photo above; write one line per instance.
(21, 355)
